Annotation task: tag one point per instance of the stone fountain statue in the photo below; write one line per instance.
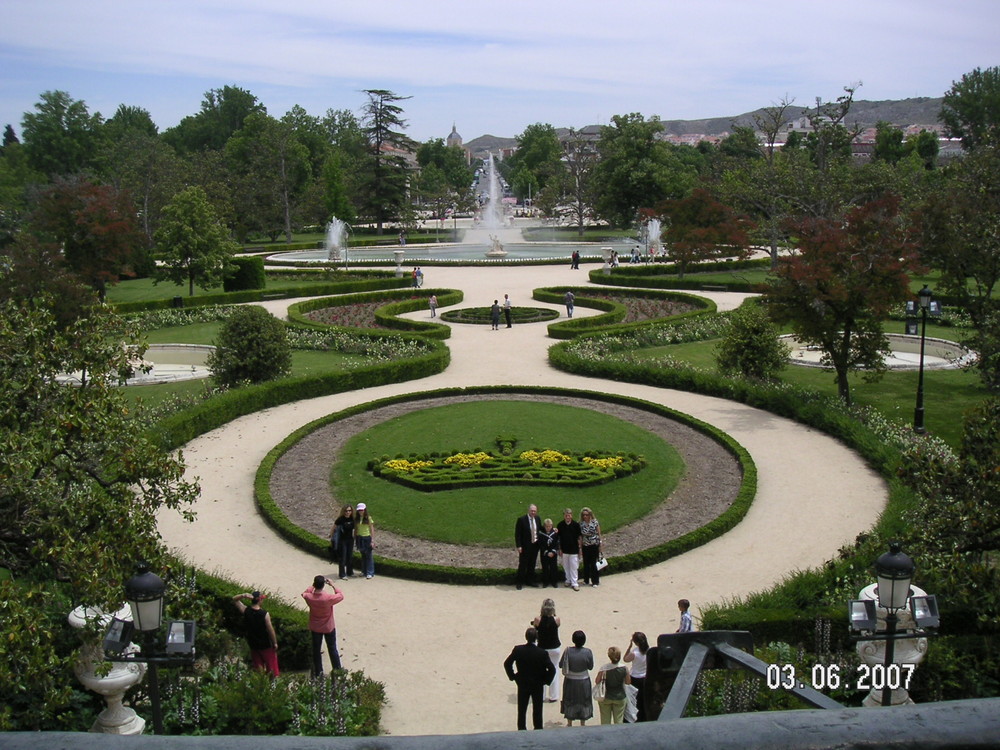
(496, 248)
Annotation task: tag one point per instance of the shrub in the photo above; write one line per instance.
(252, 347)
(247, 273)
(750, 346)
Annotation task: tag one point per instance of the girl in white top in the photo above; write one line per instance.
(635, 654)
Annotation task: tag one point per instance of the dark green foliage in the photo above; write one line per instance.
(971, 108)
(750, 346)
(252, 348)
(248, 273)
(483, 316)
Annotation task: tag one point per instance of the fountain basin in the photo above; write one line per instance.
(904, 354)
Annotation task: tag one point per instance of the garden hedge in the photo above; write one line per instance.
(615, 311)
(315, 545)
(397, 302)
(665, 275)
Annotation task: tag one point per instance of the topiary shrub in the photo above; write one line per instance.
(247, 273)
(750, 346)
(252, 348)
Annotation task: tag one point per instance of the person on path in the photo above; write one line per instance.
(576, 663)
(526, 531)
(636, 654)
(687, 625)
(259, 633)
(569, 298)
(433, 302)
(506, 309)
(495, 315)
(364, 537)
(569, 548)
(547, 625)
(420, 277)
(590, 546)
(548, 553)
(614, 677)
(534, 672)
(321, 601)
(343, 533)
(575, 260)
(413, 276)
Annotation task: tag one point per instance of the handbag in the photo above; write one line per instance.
(631, 709)
(599, 691)
(602, 562)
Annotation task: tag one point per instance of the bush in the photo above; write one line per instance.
(252, 347)
(751, 346)
(248, 273)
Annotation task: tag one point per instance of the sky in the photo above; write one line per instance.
(488, 67)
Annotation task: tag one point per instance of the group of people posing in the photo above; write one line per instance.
(569, 543)
(353, 529)
(540, 661)
(619, 691)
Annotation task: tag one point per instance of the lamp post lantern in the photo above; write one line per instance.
(924, 295)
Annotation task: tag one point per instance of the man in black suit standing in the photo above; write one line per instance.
(534, 672)
(526, 540)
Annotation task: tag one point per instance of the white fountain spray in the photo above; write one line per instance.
(653, 241)
(493, 210)
(336, 239)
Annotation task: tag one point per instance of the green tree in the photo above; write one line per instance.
(80, 487)
(636, 169)
(61, 137)
(751, 346)
(383, 125)
(193, 244)
(252, 347)
(222, 113)
(888, 143)
(537, 161)
(272, 168)
(960, 223)
(971, 108)
(577, 184)
(95, 225)
(925, 145)
(838, 288)
(33, 269)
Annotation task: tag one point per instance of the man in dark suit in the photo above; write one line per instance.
(534, 672)
(526, 540)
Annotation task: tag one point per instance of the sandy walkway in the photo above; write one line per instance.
(438, 648)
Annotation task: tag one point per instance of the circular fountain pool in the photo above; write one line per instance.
(904, 354)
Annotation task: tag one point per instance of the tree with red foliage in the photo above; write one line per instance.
(699, 227)
(94, 224)
(840, 285)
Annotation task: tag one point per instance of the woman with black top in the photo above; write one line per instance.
(548, 548)
(343, 530)
(547, 625)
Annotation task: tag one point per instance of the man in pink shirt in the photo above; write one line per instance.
(321, 624)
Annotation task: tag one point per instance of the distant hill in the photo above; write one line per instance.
(901, 113)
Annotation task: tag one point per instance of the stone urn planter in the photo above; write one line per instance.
(116, 718)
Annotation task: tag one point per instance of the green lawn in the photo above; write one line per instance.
(485, 515)
(144, 290)
(948, 394)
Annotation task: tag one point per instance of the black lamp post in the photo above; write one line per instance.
(924, 295)
(144, 594)
(894, 570)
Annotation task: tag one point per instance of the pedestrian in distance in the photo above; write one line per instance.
(495, 315)
(687, 625)
(526, 540)
(506, 309)
(433, 302)
(569, 299)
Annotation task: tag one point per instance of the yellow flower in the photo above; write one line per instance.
(544, 457)
(401, 464)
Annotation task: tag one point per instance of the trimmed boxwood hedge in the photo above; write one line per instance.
(664, 275)
(615, 311)
(315, 545)
(376, 282)
(397, 302)
(177, 429)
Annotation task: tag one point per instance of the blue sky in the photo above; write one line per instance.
(489, 67)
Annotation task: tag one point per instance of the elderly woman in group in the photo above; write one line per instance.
(590, 545)
(547, 625)
(576, 663)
